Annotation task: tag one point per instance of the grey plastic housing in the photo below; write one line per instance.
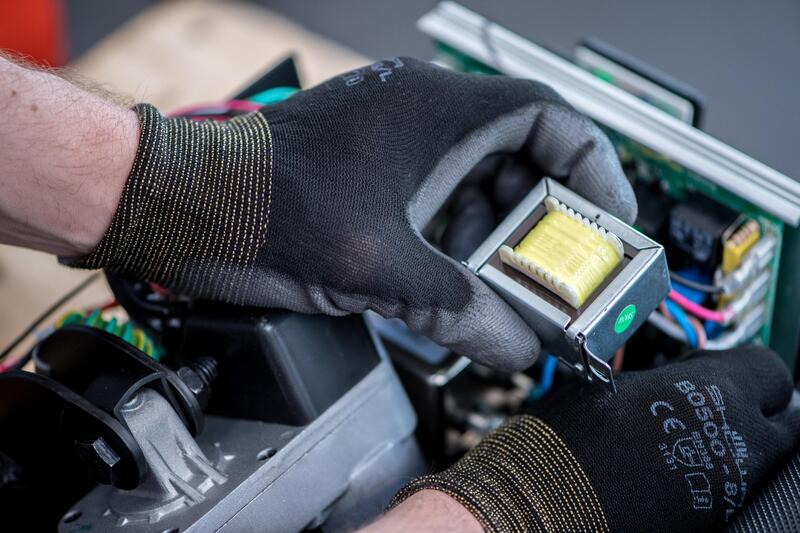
(336, 473)
(587, 337)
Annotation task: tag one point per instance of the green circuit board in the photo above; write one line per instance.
(781, 328)
(679, 183)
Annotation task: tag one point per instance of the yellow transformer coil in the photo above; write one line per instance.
(566, 253)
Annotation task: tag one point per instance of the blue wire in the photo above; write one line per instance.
(713, 329)
(548, 373)
(680, 317)
(546, 379)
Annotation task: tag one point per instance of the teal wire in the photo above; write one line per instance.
(273, 95)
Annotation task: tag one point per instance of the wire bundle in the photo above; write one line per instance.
(92, 317)
(231, 108)
(123, 329)
(5, 363)
(686, 320)
(691, 326)
(689, 322)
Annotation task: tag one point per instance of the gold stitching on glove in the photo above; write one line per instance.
(522, 477)
(199, 194)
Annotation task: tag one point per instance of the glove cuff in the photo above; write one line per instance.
(197, 199)
(522, 477)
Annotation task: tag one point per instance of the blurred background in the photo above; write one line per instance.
(742, 56)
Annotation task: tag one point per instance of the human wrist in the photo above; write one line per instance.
(92, 221)
(427, 510)
(65, 154)
(521, 477)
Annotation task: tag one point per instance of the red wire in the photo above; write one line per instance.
(664, 311)
(243, 105)
(699, 330)
(5, 366)
(619, 358)
(108, 305)
(158, 289)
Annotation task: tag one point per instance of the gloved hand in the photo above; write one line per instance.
(315, 204)
(679, 448)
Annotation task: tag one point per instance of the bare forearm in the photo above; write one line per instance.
(427, 510)
(65, 154)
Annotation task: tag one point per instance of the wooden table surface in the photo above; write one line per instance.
(171, 55)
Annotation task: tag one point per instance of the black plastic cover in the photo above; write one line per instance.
(695, 230)
(278, 366)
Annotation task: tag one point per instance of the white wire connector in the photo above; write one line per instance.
(756, 260)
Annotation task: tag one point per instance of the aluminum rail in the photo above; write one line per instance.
(710, 158)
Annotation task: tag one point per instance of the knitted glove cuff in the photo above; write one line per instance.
(198, 197)
(522, 477)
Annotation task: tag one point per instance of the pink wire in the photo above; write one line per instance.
(243, 105)
(5, 366)
(722, 317)
(231, 105)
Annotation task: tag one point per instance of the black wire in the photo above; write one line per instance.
(49, 311)
(702, 287)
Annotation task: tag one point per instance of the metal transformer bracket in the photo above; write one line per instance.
(587, 337)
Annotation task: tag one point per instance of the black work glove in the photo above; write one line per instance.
(679, 448)
(315, 204)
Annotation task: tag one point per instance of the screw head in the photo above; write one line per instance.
(195, 383)
(191, 379)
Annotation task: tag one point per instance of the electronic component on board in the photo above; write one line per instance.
(654, 209)
(737, 241)
(757, 259)
(696, 228)
(584, 280)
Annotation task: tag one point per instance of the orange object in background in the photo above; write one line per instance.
(35, 29)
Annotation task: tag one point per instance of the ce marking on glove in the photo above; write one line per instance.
(671, 423)
(704, 443)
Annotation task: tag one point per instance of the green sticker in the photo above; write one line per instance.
(625, 318)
